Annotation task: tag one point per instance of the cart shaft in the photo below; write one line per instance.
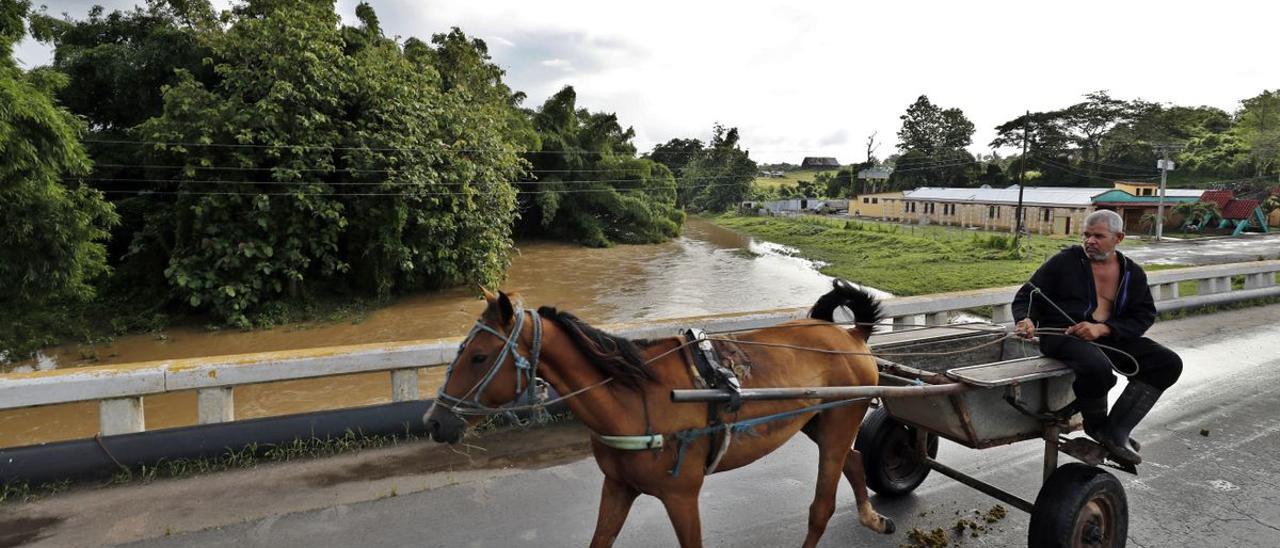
(821, 392)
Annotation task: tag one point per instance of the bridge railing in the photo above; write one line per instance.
(120, 389)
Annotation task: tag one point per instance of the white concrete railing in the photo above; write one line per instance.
(119, 389)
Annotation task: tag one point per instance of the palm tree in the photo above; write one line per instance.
(1195, 213)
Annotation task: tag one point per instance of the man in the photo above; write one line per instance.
(1093, 294)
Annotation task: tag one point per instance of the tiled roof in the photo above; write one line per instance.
(1220, 197)
(1239, 209)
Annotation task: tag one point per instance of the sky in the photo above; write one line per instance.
(818, 78)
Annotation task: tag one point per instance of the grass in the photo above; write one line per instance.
(791, 178)
(904, 260)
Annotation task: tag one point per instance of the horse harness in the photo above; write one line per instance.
(714, 364)
(718, 364)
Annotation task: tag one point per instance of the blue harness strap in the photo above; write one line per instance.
(685, 437)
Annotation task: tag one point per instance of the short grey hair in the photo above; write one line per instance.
(1114, 222)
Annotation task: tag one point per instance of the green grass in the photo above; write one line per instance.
(904, 260)
(791, 178)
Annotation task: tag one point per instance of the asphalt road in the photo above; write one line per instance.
(1246, 247)
(1211, 478)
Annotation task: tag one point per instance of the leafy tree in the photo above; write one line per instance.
(1258, 125)
(117, 65)
(932, 141)
(721, 177)
(1194, 213)
(51, 226)
(927, 127)
(676, 154)
(590, 187)
(340, 161)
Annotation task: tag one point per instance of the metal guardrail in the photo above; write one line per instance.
(120, 389)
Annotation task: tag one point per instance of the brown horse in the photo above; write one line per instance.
(622, 388)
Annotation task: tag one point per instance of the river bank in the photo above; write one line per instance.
(903, 260)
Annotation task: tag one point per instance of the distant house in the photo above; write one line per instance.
(819, 162)
(1133, 201)
(1046, 210)
(794, 206)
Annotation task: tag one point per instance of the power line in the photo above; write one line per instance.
(340, 170)
(402, 194)
(377, 183)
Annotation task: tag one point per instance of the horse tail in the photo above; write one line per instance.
(864, 305)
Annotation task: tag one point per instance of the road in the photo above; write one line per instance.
(1212, 478)
(1246, 247)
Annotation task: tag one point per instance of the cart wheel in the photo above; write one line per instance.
(890, 455)
(1080, 505)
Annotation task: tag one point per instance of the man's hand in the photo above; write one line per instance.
(1089, 331)
(1025, 329)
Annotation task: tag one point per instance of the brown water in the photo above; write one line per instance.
(708, 270)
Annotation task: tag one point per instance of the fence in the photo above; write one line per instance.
(120, 389)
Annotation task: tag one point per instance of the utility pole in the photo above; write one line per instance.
(1165, 166)
(1164, 173)
(1022, 170)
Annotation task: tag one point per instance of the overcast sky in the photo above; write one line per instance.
(817, 78)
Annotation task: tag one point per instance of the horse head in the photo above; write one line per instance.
(492, 368)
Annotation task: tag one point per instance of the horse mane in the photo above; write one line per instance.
(615, 356)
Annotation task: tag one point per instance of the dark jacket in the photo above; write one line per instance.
(1067, 280)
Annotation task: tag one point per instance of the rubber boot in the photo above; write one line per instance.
(1094, 413)
(1135, 402)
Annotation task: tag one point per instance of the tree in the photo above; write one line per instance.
(1258, 125)
(336, 161)
(933, 141)
(1193, 213)
(676, 154)
(721, 177)
(927, 128)
(51, 226)
(117, 65)
(590, 187)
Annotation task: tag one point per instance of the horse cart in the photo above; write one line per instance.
(973, 385)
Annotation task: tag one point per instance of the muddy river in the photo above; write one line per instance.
(708, 270)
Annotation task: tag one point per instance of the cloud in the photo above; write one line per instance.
(557, 63)
(837, 137)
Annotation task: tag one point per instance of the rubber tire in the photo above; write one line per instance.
(884, 442)
(1062, 502)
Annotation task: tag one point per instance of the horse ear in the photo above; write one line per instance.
(506, 310)
(488, 295)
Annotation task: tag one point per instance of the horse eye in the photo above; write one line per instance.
(479, 358)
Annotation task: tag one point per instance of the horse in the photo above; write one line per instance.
(620, 389)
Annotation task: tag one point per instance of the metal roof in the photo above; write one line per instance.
(1047, 195)
(1118, 196)
(1056, 196)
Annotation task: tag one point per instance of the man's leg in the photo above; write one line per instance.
(1157, 368)
(1093, 379)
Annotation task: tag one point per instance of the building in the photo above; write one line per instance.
(872, 204)
(1046, 210)
(1132, 206)
(819, 162)
(793, 206)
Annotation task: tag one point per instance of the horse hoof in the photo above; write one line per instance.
(889, 527)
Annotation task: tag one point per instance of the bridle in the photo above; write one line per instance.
(528, 383)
